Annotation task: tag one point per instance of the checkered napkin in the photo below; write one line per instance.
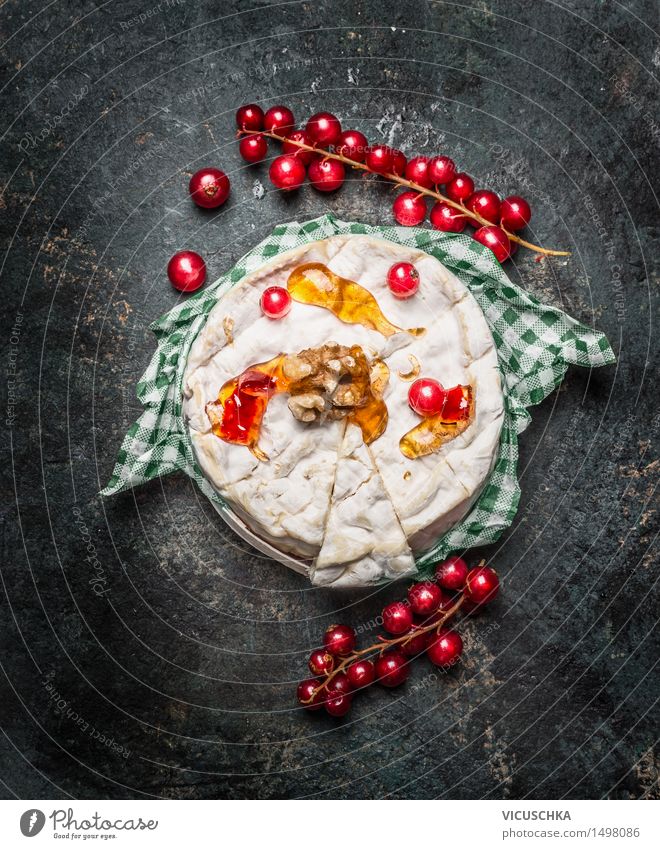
(535, 344)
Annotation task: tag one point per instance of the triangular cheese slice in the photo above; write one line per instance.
(364, 543)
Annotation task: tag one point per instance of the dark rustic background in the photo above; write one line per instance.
(148, 652)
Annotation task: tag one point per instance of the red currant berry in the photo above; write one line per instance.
(339, 705)
(361, 674)
(209, 187)
(321, 662)
(417, 171)
(326, 175)
(379, 159)
(442, 170)
(250, 117)
(279, 120)
(486, 204)
(324, 128)
(392, 668)
(353, 145)
(399, 162)
(340, 684)
(403, 280)
(424, 598)
(446, 218)
(496, 239)
(187, 271)
(481, 585)
(446, 603)
(340, 640)
(397, 618)
(460, 188)
(309, 690)
(275, 302)
(515, 213)
(287, 173)
(253, 148)
(426, 396)
(409, 209)
(451, 573)
(291, 149)
(445, 648)
(416, 645)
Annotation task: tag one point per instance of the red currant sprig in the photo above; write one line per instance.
(328, 151)
(342, 669)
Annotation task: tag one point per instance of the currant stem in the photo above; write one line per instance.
(401, 181)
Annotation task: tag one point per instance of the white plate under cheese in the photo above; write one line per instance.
(354, 514)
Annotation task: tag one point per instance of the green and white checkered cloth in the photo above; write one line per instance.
(535, 344)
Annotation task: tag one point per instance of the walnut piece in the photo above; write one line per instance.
(306, 407)
(228, 327)
(331, 381)
(379, 376)
(295, 368)
(414, 371)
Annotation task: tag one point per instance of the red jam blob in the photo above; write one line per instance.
(458, 403)
(238, 412)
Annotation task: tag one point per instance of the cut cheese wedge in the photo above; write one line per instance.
(364, 542)
(285, 500)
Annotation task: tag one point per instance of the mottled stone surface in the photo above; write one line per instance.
(147, 651)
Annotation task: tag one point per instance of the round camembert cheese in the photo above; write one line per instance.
(354, 514)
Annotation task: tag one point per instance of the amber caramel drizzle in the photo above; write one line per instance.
(349, 301)
(372, 418)
(435, 431)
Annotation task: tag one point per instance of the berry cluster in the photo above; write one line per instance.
(416, 626)
(321, 152)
